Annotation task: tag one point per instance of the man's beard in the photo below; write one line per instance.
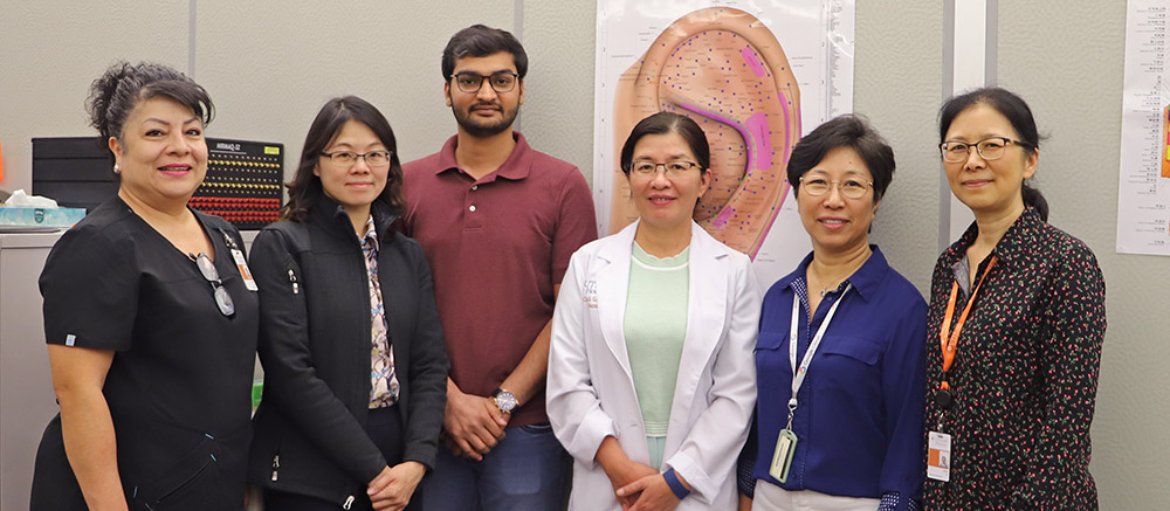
(480, 129)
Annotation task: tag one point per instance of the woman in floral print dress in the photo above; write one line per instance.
(1012, 373)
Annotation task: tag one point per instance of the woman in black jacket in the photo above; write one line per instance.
(355, 368)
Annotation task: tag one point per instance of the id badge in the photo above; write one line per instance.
(938, 459)
(242, 266)
(782, 457)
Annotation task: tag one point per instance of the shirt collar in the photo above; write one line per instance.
(371, 237)
(330, 210)
(515, 168)
(1019, 239)
(865, 280)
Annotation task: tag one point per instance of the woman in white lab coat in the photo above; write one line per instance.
(651, 380)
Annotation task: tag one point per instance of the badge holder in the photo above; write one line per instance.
(785, 449)
(241, 263)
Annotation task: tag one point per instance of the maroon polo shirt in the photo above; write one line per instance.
(496, 247)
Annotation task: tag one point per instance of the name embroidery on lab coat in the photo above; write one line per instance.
(589, 295)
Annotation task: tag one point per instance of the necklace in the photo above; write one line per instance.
(825, 290)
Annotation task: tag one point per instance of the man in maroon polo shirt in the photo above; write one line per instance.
(498, 221)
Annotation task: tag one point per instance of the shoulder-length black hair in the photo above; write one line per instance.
(305, 188)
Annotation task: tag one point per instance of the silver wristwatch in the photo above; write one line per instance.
(505, 401)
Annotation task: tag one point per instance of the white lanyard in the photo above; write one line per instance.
(798, 374)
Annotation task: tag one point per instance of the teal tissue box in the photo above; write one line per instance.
(19, 218)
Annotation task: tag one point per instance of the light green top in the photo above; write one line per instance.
(655, 327)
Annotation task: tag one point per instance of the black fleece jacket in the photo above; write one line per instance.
(309, 432)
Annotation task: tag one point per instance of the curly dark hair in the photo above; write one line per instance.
(115, 94)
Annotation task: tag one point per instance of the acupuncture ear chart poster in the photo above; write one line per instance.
(1143, 194)
(755, 76)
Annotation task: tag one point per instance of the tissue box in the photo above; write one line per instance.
(18, 217)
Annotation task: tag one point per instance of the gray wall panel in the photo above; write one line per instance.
(1067, 60)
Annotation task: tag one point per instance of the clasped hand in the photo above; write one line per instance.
(472, 425)
(392, 488)
(639, 487)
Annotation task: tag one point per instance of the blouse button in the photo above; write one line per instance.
(471, 208)
(474, 187)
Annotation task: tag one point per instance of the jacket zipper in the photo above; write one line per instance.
(275, 467)
(292, 278)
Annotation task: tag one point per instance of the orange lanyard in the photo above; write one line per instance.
(949, 340)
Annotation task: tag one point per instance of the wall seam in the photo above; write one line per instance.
(518, 31)
(990, 64)
(948, 89)
(191, 17)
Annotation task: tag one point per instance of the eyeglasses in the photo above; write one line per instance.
(816, 186)
(207, 268)
(674, 169)
(502, 81)
(990, 148)
(348, 158)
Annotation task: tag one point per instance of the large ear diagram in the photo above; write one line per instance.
(725, 69)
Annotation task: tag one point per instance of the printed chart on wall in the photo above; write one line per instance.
(1143, 201)
(754, 75)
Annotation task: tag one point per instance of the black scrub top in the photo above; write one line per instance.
(179, 387)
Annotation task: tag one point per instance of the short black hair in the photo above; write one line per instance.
(481, 41)
(115, 94)
(305, 188)
(1016, 110)
(662, 123)
(852, 131)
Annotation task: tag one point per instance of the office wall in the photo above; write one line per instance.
(269, 66)
(1067, 60)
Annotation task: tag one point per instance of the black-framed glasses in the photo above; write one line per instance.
(502, 81)
(348, 158)
(223, 300)
(674, 169)
(990, 148)
(850, 188)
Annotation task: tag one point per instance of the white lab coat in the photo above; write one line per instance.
(591, 389)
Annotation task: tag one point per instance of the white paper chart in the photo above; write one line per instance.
(1143, 202)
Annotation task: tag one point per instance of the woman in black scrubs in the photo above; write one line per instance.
(355, 371)
(150, 323)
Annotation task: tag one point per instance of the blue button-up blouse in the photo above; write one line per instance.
(859, 420)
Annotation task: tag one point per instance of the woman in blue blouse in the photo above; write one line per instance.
(851, 439)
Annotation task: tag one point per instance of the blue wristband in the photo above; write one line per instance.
(676, 486)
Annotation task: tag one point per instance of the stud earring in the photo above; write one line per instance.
(117, 170)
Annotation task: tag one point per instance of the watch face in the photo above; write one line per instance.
(506, 401)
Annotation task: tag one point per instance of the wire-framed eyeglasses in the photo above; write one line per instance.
(349, 158)
(674, 169)
(501, 81)
(990, 148)
(850, 188)
(223, 300)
